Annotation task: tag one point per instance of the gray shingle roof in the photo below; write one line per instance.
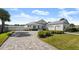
(44, 22)
(33, 23)
(38, 22)
(41, 22)
(59, 22)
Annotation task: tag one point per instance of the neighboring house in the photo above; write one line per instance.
(58, 25)
(39, 25)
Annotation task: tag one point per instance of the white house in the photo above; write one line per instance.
(41, 24)
(58, 25)
(38, 25)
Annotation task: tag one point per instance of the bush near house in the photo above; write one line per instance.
(72, 30)
(47, 33)
(43, 34)
(57, 32)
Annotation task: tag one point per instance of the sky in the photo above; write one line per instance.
(26, 15)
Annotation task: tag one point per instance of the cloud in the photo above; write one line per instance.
(76, 11)
(67, 14)
(22, 15)
(38, 12)
(14, 9)
(61, 8)
(51, 19)
(64, 12)
(23, 18)
(26, 16)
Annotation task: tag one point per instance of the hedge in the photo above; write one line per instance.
(72, 30)
(57, 32)
(43, 34)
(47, 33)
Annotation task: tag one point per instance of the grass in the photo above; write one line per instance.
(4, 36)
(63, 41)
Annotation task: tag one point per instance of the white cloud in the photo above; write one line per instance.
(22, 15)
(67, 14)
(22, 18)
(51, 19)
(61, 8)
(14, 9)
(38, 12)
(76, 11)
(64, 12)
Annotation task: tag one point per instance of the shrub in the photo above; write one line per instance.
(45, 29)
(43, 34)
(40, 34)
(72, 30)
(77, 29)
(47, 33)
(57, 32)
(9, 33)
(34, 29)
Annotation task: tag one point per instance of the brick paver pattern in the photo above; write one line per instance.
(29, 42)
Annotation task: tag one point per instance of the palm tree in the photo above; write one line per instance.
(4, 16)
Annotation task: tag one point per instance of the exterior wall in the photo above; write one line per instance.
(36, 26)
(16, 28)
(32, 26)
(55, 27)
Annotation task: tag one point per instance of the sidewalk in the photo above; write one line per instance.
(72, 33)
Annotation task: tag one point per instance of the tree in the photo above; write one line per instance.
(72, 25)
(4, 16)
(62, 19)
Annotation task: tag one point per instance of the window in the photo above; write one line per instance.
(57, 26)
(34, 27)
(38, 27)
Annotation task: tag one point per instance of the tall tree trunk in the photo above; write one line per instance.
(2, 27)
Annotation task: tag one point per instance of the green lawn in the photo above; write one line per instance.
(3, 37)
(64, 41)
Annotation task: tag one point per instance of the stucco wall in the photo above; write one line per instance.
(55, 27)
(36, 26)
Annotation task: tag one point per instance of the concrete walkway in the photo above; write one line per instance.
(72, 33)
(29, 41)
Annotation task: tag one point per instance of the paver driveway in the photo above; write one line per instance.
(27, 40)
